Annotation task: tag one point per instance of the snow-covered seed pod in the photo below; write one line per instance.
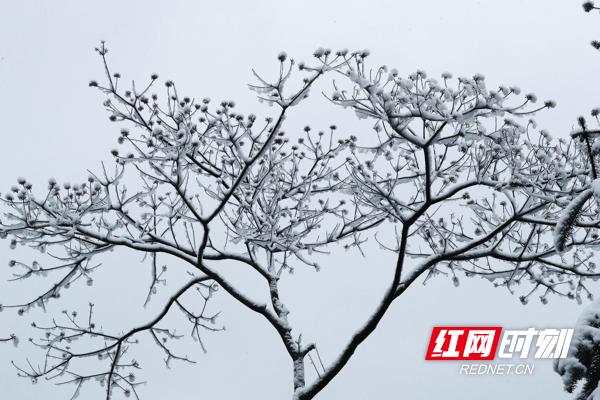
(455, 281)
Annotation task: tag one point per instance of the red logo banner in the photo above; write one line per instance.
(463, 343)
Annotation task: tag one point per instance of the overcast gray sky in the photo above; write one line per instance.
(53, 124)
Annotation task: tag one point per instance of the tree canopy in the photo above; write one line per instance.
(453, 178)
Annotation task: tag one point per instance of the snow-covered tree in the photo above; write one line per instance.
(583, 358)
(453, 179)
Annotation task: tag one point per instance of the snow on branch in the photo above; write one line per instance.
(453, 178)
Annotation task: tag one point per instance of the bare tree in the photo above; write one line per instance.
(448, 181)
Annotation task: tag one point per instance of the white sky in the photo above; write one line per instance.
(52, 124)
